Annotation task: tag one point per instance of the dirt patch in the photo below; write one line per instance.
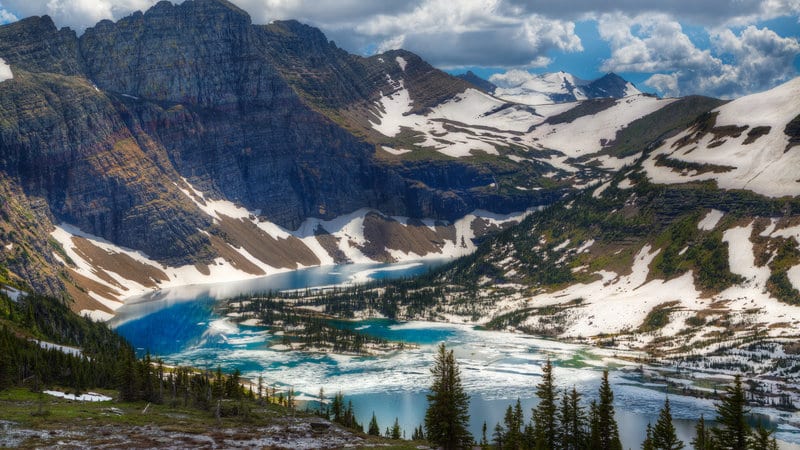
(331, 245)
(706, 124)
(203, 268)
(445, 231)
(383, 234)
(793, 131)
(681, 166)
(280, 253)
(756, 133)
(91, 285)
(119, 263)
(82, 301)
(481, 226)
(236, 259)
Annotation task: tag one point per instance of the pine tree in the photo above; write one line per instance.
(447, 416)
(545, 427)
(396, 429)
(513, 426)
(702, 439)
(498, 437)
(604, 433)
(337, 407)
(374, 429)
(484, 441)
(732, 430)
(572, 422)
(648, 439)
(664, 435)
(761, 439)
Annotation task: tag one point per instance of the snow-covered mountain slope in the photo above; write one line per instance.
(251, 247)
(558, 87)
(749, 143)
(549, 137)
(677, 271)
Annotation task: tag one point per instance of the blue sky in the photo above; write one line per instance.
(721, 48)
(586, 64)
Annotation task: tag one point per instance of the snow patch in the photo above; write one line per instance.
(5, 71)
(87, 397)
(762, 166)
(710, 220)
(395, 151)
(588, 134)
(62, 348)
(401, 62)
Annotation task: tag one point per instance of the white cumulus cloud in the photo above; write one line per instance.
(751, 60)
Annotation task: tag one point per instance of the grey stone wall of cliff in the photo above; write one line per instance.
(104, 127)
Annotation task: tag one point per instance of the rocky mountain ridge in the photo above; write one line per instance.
(548, 88)
(125, 135)
(691, 253)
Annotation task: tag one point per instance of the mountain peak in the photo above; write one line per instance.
(558, 87)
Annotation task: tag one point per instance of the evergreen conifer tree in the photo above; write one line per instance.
(545, 426)
(702, 439)
(664, 435)
(513, 426)
(732, 430)
(396, 429)
(498, 437)
(374, 429)
(447, 416)
(572, 420)
(604, 433)
(761, 439)
(647, 444)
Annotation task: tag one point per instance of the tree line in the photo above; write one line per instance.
(565, 423)
(560, 421)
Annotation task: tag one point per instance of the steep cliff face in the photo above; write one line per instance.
(100, 132)
(238, 108)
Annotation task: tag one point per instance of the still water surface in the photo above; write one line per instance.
(180, 326)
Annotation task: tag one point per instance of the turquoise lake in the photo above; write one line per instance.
(180, 326)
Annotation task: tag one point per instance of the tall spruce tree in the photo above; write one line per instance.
(447, 416)
(702, 438)
(762, 439)
(572, 420)
(374, 429)
(647, 444)
(396, 431)
(664, 435)
(604, 434)
(545, 426)
(732, 430)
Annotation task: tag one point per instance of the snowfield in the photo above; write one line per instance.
(474, 122)
(348, 231)
(587, 135)
(762, 164)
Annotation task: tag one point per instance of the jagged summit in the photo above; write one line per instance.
(558, 87)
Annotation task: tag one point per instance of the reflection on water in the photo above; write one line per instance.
(497, 368)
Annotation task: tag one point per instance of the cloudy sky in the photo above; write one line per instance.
(722, 48)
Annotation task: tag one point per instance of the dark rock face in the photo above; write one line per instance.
(105, 127)
(484, 85)
(609, 85)
(36, 45)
